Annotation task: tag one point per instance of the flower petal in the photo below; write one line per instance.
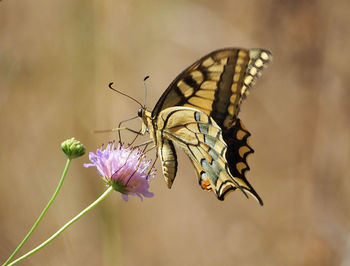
(126, 169)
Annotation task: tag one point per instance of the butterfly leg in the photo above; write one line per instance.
(144, 143)
(154, 146)
(149, 171)
(127, 158)
(145, 151)
(138, 133)
(120, 128)
(126, 128)
(137, 167)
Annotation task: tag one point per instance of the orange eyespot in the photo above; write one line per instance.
(206, 184)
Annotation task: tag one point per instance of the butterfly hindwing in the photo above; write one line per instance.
(237, 152)
(201, 138)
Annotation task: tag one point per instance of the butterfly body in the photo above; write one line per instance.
(198, 112)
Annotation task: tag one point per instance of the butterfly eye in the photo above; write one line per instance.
(139, 112)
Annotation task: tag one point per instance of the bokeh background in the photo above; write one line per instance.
(56, 59)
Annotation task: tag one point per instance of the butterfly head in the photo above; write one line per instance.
(145, 116)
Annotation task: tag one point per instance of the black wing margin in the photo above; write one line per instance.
(237, 152)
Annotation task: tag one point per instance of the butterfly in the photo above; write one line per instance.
(199, 113)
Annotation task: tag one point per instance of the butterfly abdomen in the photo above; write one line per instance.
(167, 153)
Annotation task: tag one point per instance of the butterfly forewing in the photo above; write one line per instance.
(259, 58)
(216, 83)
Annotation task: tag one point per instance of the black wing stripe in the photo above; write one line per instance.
(223, 93)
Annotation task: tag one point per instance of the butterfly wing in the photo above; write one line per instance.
(216, 84)
(201, 138)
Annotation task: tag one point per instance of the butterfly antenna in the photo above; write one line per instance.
(144, 85)
(122, 93)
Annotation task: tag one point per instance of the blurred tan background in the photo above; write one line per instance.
(56, 59)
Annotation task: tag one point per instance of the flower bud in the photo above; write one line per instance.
(72, 148)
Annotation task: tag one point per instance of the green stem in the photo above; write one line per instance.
(76, 218)
(42, 213)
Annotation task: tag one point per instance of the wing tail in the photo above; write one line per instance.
(237, 152)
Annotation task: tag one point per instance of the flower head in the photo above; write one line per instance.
(73, 148)
(125, 169)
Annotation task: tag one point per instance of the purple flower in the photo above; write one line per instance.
(125, 169)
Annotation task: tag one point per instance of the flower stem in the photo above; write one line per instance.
(76, 218)
(42, 213)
